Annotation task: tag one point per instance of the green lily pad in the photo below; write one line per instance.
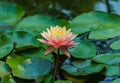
(116, 80)
(24, 40)
(48, 79)
(38, 22)
(63, 81)
(29, 68)
(82, 68)
(4, 69)
(10, 13)
(84, 50)
(115, 45)
(102, 25)
(4, 28)
(107, 58)
(5, 45)
(36, 53)
(112, 70)
(8, 79)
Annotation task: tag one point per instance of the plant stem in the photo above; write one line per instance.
(108, 6)
(56, 64)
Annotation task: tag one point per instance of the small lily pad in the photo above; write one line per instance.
(115, 45)
(84, 50)
(82, 68)
(107, 58)
(112, 70)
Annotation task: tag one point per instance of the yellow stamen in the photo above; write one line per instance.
(58, 32)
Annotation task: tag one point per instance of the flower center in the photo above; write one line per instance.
(58, 32)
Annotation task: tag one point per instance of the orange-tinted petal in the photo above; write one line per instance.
(49, 50)
(65, 51)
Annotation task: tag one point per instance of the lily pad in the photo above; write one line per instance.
(10, 13)
(84, 50)
(107, 58)
(48, 79)
(115, 45)
(63, 81)
(36, 53)
(8, 79)
(29, 68)
(102, 25)
(4, 69)
(112, 70)
(5, 45)
(116, 80)
(4, 28)
(38, 22)
(24, 40)
(82, 68)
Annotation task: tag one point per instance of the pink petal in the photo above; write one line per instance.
(45, 35)
(49, 50)
(70, 44)
(68, 39)
(43, 41)
(65, 51)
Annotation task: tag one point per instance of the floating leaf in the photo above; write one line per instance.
(5, 45)
(82, 68)
(10, 13)
(24, 40)
(112, 70)
(4, 69)
(115, 45)
(101, 25)
(48, 79)
(63, 23)
(63, 81)
(8, 79)
(29, 68)
(84, 50)
(4, 27)
(116, 80)
(107, 58)
(38, 22)
(36, 53)
(74, 79)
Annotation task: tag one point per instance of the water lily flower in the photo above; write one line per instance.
(58, 37)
